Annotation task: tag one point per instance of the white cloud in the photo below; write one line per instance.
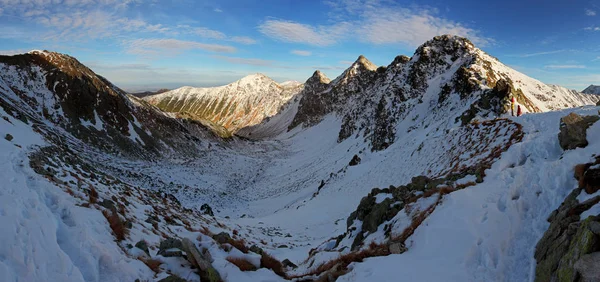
(243, 40)
(385, 25)
(301, 52)
(208, 33)
(592, 28)
(293, 32)
(217, 10)
(590, 12)
(371, 22)
(151, 47)
(565, 67)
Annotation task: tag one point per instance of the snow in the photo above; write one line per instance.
(45, 236)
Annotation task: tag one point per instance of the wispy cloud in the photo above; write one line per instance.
(150, 47)
(217, 10)
(592, 28)
(301, 52)
(208, 33)
(565, 67)
(294, 32)
(537, 54)
(372, 22)
(243, 40)
(590, 12)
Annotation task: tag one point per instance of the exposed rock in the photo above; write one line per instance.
(222, 238)
(591, 180)
(397, 248)
(173, 278)
(256, 249)
(206, 209)
(588, 267)
(108, 204)
(168, 244)
(8, 137)
(566, 240)
(354, 161)
(573, 130)
(152, 218)
(288, 263)
(282, 246)
(143, 245)
(207, 271)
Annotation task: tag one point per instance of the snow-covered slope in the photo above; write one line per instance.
(245, 102)
(592, 89)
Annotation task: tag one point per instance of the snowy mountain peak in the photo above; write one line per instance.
(255, 79)
(363, 62)
(240, 104)
(319, 77)
(592, 89)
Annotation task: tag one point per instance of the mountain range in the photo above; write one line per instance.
(413, 171)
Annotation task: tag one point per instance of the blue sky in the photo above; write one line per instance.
(149, 44)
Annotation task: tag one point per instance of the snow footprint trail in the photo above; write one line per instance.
(488, 232)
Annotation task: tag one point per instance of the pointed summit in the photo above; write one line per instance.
(362, 61)
(319, 77)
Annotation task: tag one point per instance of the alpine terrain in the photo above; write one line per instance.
(592, 89)
(420, 170)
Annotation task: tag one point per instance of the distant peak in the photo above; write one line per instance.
(253, 78)
(320, 77)
(363, 61)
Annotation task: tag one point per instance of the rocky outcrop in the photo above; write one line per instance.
(569, 245)
(573, 130)
(202, 260)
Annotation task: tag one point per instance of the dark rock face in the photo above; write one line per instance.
(573, 130)
(206, 209)
(354, 161)
(313, 104)
(8, 137)
(571, 242)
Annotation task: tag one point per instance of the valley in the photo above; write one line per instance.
(92, 172)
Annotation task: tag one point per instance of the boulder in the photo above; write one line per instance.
(166, 246)
(108, 204)
(256, 249)
(206, 209)
(202, 261)
(288, 263)
(397, 248)
(573, 130)
(354, 161)
(222, 238)
(588, 267)
(8, 137)
(591, 180)
(143, 245)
